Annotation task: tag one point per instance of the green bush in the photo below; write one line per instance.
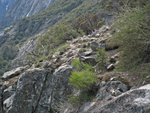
(101, 59)
(81, 65)
(63, 48)
(100, 23)
(83, 80)
(84, 77)
(134, 36)
(76, 64)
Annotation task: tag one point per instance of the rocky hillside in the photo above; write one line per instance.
(46, 88)
(21, 9)
(14, 36)
(88, 61)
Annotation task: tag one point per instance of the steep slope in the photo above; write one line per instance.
(5, 5)
(14, 37)
(24, 8)
(46, 89)
(67, 10)
(81, 75)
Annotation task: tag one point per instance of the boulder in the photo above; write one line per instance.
(89, 59)
(97, 35)
(40, 91)
(15, 72)
(46, 64)
(103, 29)
(94, 46)
(110, 89)
(114, 58)
(110, 67)
(104, 94)
(88, 53)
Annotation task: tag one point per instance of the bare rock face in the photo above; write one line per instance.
(13, 73)
(39, 91)
(4, 6)
(24, 8)
(133, 101)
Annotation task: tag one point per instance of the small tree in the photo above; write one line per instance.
(87, 23)
(83, 80)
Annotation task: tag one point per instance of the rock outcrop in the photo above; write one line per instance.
(38, 91)
(134, 101)
(15, 72)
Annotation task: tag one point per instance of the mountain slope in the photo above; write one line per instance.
(67, 10)
(47, 89)
(24, 8)
(100, 72)
(61, 9)
(4, 6)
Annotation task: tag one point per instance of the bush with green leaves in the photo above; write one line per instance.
(100, 23)
(101, 59)
(83, 80)
(81, 65)
(134, 36)
(83, 77)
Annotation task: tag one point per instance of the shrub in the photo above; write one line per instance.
(63, 47)
(101, 59)
(86, 23)
(134, 36)
(81, 65)
(133, 3)
(83, 80)
(76, 64)
(112, 43)
(100, 23)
